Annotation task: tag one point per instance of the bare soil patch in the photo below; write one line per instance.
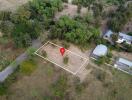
(75, 61)
(123, 54)
(11, 4)
(70, 10)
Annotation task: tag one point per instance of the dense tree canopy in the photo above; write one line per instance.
(29, 20)
(73, 30)
(119, 18)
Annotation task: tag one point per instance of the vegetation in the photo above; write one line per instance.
(119, 18)
(44, 54)
(27, 67)
(128, 47)
(59, 88)
(29, 20)
(65, 44)
(31, 52)
(114, 37)
(73, 30)
(7, 83)
(65, 60)
(130, 33)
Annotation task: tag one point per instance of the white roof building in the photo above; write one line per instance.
(108, 34)
(123, 62)
(100, 50)
(124, 38)
(124, 65)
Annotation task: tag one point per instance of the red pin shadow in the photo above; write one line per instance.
(62, 51)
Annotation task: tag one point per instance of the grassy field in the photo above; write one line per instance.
(49, 82)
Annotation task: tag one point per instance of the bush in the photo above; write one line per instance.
(59, 88)
(65, 60)
(3, 89)
(27, 67)
(65, 44)
(130, 33)
(30, 52)
(44, 53)
(100, 60)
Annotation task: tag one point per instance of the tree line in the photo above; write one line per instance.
(75, 30)
(29, 20)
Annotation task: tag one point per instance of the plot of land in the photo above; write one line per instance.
(74, 64)
(11, 4)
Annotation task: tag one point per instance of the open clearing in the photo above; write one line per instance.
(74, 64)
(11, 4)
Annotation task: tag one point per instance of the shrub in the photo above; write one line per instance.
(109, 54)
(101, 60)
(44, 53)
(3, 89)
(65, 60)
(59, 88)
(30, 52)
(65, 44)
(27, 67)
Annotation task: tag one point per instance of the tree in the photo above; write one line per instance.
(79, 8)
(59, 88)
(4, 15)
(27, 67)
(6, 28)
(114, 37)
(21, 15)
(101, 60)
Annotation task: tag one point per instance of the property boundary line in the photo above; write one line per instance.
(74, 73)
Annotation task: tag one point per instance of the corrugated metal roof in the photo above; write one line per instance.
(125, 36)
(125, 61)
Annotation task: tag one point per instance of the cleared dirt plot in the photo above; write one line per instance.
(11, 4)
(70, 10)
(51, 52)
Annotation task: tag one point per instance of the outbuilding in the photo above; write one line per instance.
(124, 65)
(100, 50)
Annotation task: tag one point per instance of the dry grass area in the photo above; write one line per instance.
(97, 85)
(123, 54)
(11, 4)
(127, 27)
(70, 10)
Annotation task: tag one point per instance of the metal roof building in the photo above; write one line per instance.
(100, 50)
(124, 65)
(124, 38)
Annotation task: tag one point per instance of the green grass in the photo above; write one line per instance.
(27, 67)
(65, 60)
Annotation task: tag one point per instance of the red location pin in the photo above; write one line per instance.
(62, 51)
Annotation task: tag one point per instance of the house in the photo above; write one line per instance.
(108, 34)
(123, 65)
(100, 50)
(124, 38)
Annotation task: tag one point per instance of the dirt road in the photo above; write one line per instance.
(10, 69)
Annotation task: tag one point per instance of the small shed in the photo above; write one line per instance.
(124, 65)
(100, 50)
(124, 62)
(107, 34)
